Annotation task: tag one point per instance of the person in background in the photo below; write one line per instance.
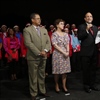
(24, 66)
(28, 24)
(97, 42)
(76, 65)
(98, 56)
(3, 35)
(11, 45)
(49, 55)
(19, 35)
(0, 52)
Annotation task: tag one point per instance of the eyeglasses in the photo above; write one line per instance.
(62, 23)
(37, 18)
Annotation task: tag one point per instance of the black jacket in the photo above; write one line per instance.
(88, 47)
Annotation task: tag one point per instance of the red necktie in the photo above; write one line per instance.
(91, 31)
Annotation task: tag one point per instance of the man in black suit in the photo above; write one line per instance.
(87, 33)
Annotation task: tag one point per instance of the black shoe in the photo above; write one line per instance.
(45, 95)
(95, 88)
(66, 92)
(33, 98)
(88, 90)
(57, 91)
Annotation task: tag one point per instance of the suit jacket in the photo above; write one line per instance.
(88, 47)
(34, 43)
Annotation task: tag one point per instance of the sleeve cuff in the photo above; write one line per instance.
(87, 31)
(45, 50)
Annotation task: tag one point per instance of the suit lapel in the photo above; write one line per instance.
(34, 31)
(41, 34)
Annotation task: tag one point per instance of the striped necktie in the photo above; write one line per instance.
(91, 31)
(38, 30)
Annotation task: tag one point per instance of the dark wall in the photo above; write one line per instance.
(72, 11)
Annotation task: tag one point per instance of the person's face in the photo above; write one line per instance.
(37, 20)
(61, 25)
(73, 26)
(66, 30)
(16, 29)
(88, 18)
(75, 32)
(11, 31)
(67, 26)
(4, 29)
(51, 27)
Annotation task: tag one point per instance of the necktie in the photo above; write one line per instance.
(38, 30)
(91, 31)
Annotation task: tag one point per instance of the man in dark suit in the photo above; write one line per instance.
(87, 33)
(38, 45)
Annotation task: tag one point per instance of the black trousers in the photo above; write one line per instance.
(13, 67)
(3, 60)
(24, 67)
(75, 62)
(49, 65)
(89, 70)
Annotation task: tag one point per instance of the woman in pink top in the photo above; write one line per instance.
(11, 45)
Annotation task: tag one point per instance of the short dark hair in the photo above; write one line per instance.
(57, 21)
(87, 13)
(33, 15)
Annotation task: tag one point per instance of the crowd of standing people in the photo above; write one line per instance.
(62, 49)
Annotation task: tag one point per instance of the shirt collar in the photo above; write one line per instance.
(35, 26)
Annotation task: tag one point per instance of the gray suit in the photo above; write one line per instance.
(36, 63)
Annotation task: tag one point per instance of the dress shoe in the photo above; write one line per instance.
(57, 91)
(33, 98)
(88, 90)
(95, 88)
(66, 92)
(45, 95)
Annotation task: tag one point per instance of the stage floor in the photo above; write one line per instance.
(19, 89)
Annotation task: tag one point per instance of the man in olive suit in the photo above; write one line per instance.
(38, 44)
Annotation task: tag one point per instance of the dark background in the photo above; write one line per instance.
(72, 11)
